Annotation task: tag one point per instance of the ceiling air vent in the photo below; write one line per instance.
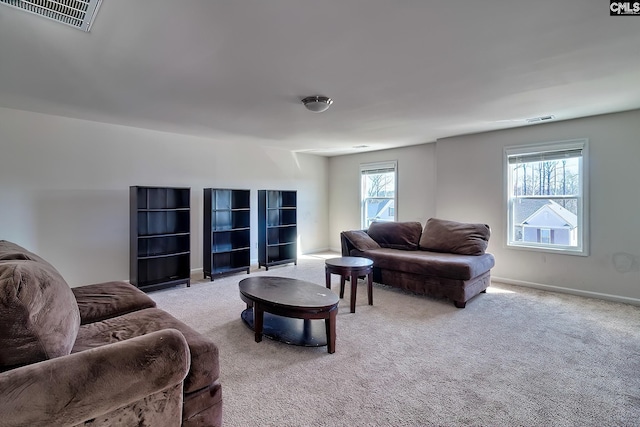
(75, 13)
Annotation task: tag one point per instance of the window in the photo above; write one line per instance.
(378, 192)
(545, 235)
(547, 196)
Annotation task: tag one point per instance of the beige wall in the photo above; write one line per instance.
(64, 187)
(470, 188)
(416, 187)
(461, 178)
(64, 192)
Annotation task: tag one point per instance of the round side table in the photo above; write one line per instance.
(353, 267)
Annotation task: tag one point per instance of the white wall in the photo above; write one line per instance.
(461, 178)
(64, 187)
(470, 188)
(64, 192)
(416, 187)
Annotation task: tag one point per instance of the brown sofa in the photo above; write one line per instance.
(445, 259)
(98, 355)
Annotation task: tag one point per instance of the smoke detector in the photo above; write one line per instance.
(75, 13)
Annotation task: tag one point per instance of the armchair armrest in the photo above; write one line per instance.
(100, 301)
(71, 389)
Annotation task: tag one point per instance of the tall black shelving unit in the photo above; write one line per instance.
(160, 239)
(227, 232)
(277, 228)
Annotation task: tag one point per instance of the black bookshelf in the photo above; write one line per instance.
(277, 228)
(227, 232)
(160, 238)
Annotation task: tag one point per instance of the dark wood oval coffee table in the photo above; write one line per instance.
(290, 305)
(354, 267)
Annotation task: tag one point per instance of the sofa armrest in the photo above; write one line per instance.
(358, 240)
(71, 389)
(345, 244)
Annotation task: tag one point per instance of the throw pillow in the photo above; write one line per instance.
(360, 240)
(441, 235)
(396, 235)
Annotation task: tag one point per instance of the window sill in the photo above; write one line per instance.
(549, 250)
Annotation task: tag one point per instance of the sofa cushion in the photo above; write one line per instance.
(204, 368)
(360, 240)
(451, 266)
(39, 317)
(455, 237)
(396, 235)
(101, 301)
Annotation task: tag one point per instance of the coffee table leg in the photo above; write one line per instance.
(330, 325)
(342, 280)
(328, 274)
(354, 288)
(258, 318)
(370, 288)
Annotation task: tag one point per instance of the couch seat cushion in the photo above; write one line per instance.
(204, 368)
(452, 266)
(396, 235)
(39, 318)
(101, 301)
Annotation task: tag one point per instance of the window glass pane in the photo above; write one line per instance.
(545, 235)
(556, 177)
(545, 196)
(380, 184)
(378, 193)
(378, 209)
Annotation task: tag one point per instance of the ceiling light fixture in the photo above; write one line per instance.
(317, 104)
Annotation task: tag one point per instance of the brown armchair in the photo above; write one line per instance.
(97, 355)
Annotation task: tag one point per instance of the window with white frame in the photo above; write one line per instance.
(547, 196)
(378, 192)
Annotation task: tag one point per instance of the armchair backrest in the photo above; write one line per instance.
(39, 317)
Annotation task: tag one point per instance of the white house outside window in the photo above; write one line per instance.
(378, 192)
(547, 196)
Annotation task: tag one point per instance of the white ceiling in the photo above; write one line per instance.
(400, 72)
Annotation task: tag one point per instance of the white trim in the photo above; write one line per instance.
(562, 290)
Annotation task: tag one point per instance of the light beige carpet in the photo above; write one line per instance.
(513, 357)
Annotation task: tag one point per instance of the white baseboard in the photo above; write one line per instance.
(588, 294)
(317, 251)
